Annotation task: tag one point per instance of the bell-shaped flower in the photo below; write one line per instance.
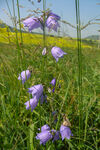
(57, 53)
(52, 23)
(44, 136)
(32, 103)
(36, 90)
(53, 83)
(44, 51)
(32, 23)
(65, 132)
(25, 75)
(47, 134)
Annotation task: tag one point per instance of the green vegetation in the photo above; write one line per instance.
(18, 127)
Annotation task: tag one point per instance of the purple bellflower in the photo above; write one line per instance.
(52, 21)
(32, 23)
(57, 53)
(44, 51)
(65, 132)
(52, 24)
(53, 83)
(25, 75)
(37, 92)
(32, 103)
(45, 134)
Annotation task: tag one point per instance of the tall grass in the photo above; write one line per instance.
(80, 100)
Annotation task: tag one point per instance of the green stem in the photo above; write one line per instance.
(44, 20)
(79, 65)
(22, 52)
(17, 43)
(19, 21)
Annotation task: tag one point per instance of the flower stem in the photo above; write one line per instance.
(80, 103)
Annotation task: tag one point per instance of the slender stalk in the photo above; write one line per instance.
(19, 21)
(44, 20)
(79, 65)
(21, 44)
(9, 8)
(15, 25)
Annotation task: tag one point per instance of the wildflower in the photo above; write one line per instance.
(32, 103)
(65, 132)
(45, 127)
(44, 51)
(52, 21)
(37, 92)
(45, 135)
(32, 23)
(52, 24)
(25, 75)
(57, 53)
(53, 83)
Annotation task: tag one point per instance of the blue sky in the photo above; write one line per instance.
(64, 8)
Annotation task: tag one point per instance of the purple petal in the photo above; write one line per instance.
(57, 53)
(36, 90)
(65, 132)
(32, 103)
(53, 82)
(25, 75)
(44, 136)
(44, 51)
(52, 23)
(54, 15)
(32, 23)
(45, 127)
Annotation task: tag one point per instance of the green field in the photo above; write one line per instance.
(18, 126)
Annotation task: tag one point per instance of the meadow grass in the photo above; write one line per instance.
(18, 127)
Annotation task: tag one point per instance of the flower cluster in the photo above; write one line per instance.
(25, 75)
(36, 91)
(51, 22)
(46, 134)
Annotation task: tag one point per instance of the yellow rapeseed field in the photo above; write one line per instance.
(37, 39)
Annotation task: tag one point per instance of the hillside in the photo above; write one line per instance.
(93, 37)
